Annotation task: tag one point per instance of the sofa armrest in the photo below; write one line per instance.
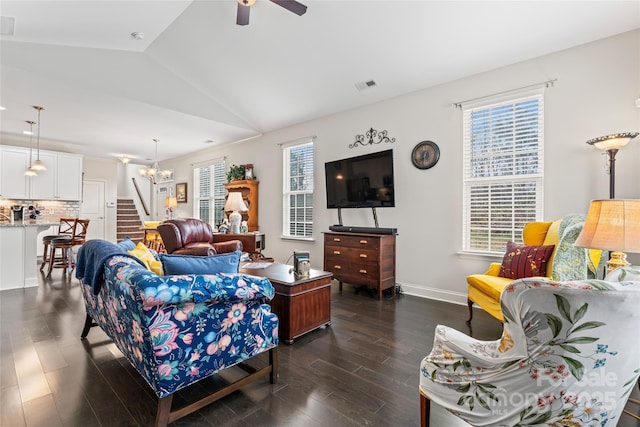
(196, 251)
(494, 269)
(228, 246)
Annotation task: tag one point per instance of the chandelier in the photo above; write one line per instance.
(153, 171)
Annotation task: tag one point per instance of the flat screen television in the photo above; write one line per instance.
(361, 182)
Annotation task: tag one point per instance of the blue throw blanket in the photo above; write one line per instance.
(92, 258)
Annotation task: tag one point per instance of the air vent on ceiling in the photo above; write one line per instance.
(365, 85)
(7, 25)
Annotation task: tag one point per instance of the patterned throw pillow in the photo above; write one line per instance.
(525, 261)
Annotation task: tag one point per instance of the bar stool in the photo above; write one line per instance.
(65, 243)
(65, 229)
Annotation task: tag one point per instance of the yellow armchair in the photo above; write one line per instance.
(486, 289)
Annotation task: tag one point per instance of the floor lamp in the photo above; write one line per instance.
(611, 144)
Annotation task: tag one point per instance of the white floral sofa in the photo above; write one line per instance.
(569, 356)
(177, 330)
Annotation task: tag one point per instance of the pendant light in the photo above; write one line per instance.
(38, 165)
(30, 171)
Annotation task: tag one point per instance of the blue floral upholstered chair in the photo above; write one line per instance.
(178, 329)
(569, 355)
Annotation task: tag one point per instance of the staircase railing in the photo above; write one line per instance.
(142, 202)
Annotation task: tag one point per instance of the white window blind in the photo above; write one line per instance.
(209, 192)
(298, 190)
(503, 171)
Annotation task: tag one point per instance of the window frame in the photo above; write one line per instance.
(307, 194)
(217, 191)
(502, 190)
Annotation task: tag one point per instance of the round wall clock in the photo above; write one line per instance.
(425, 154)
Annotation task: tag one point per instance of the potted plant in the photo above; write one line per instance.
(235, 173)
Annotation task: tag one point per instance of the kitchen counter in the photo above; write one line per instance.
(18, 253)
(30, 223)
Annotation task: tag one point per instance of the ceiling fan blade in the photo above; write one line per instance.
(292, 6)
(243, 15)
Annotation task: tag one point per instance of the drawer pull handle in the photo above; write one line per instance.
(336, 239)
(336, 252)
(337, 267)
(363, 255)
(363, 271)
(363, 242)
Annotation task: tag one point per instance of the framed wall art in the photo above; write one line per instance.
(181, 192)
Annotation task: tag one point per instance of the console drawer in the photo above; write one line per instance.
(363, 242)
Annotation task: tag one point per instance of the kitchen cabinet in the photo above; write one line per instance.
(13, 161)
(61, 181)
(43, 186)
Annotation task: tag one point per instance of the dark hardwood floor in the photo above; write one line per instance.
(362, 370)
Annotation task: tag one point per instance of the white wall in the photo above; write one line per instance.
(105, 169)
(594, 96)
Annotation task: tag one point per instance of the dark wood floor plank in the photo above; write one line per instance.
(42, 412)
(11, 409)
(363, 370)
(31, 379)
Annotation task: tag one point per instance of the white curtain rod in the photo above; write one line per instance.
(208, 162)
(546, 84)
(297, 141)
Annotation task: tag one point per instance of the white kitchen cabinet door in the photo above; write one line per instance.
(43, 186)
(13, 162)
(69, 177)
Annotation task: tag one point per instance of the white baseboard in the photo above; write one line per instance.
(435, 294)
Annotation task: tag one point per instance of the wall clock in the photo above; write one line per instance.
(425, 155)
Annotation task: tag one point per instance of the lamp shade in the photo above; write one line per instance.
(612, 225)
(235, 203)
(171, 202)
(612, 142)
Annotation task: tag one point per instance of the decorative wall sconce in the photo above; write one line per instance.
(374, 137)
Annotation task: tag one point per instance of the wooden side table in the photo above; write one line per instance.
(302, 304)
(254, 243)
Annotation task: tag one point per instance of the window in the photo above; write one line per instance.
(298, 189)
(209, 192)
(503, 171)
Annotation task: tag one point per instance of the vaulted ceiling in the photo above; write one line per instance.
(196, 78)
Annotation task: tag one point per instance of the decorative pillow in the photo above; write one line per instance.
(127, 244)
(146, 256)
(188, 264)
(525, 261)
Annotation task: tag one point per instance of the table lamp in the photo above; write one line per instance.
(235, 203)
(170, 203)
(612, 225)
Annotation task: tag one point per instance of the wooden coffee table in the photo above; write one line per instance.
(301, 303)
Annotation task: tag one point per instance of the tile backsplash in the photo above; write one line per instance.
(50, 210)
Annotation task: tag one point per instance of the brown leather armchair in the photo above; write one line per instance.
(191, 236)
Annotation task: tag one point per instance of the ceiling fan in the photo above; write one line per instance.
(245, 5)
